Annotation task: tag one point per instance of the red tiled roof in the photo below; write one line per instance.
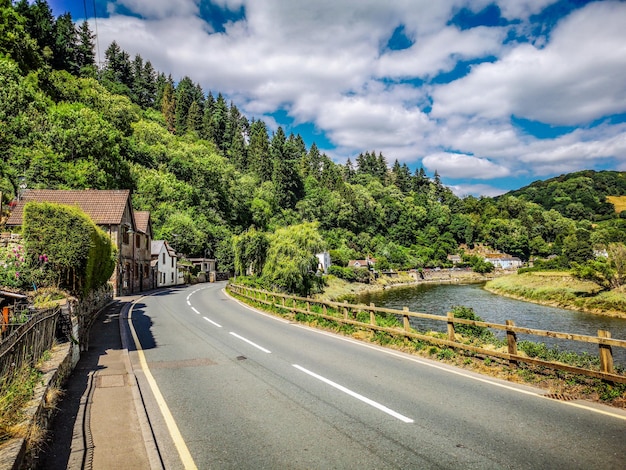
(142, 220)
(104, 207)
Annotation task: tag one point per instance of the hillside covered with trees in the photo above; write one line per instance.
(579, 196)
(231, 188)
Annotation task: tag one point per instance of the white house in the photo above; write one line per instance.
(504, 261)
(323, 261)
(164, 263)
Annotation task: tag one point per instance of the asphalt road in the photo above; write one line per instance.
(228, 387)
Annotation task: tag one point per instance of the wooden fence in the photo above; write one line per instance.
(27, 342)
(346, 313)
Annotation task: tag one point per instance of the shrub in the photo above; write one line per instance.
(69, 249)
(472, 331)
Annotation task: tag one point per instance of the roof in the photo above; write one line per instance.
(360, 262)
(157, 245)
(104, 207)
(142, 221)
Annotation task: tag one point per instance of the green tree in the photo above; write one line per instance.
(291, 262)
(65, 47)
(259, 159)
(250, 250)
(85, 56)
(15, 41)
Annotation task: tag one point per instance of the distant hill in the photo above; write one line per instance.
(579, 195)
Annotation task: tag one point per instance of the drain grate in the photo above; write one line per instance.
(559, 396)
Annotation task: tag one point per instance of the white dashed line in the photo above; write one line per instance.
(211, 321)
(373, 403)
(251, 343)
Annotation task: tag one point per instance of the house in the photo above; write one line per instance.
(164, 264)
(112, 211)
(207, 268)
(504, 261)
(361, 263)
(455, 259)
(323, 261)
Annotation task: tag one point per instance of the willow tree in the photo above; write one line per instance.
(291, 264)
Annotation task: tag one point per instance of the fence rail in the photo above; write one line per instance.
(347, 314)
(27, 341)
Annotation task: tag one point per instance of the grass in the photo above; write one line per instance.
(16, 393)
(619, 202)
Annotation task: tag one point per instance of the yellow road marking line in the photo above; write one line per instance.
(179, 442)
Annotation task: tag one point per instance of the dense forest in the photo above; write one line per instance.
(231, 189)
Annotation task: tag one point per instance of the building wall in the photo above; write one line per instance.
(167, 269)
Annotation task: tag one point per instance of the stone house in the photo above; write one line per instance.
(111, 210)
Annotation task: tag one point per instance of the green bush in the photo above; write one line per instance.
(69, 250)
(472, 331)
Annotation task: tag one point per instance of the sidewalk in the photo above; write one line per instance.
(101, 421)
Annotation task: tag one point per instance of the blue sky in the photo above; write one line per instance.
(490, 94)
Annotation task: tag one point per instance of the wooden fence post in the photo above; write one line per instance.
(324, 309)
(511, 341)
(606, 353)
(308, 306)
(451, 336)
(372, 315)
(405, 319)
(345, 311)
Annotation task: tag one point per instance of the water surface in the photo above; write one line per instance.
(441, 298)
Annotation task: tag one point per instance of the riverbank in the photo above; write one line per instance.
(560, 289)
(338, 290)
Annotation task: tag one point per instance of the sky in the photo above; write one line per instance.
(492, 95)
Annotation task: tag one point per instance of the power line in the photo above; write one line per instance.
(95, 20)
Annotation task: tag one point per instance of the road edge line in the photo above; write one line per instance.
(179, 442)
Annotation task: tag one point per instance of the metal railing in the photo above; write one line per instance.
(346, 313)
(24, 342)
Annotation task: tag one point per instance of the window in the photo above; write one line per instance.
(172, 261)
(172, 277)
(163, 259)
(125, 239)
(138, 241)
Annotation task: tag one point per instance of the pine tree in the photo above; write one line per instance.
(65, 50)
(85, 56)
(159, 86)
(314, 162)
(194, 118)
(184, 97)
(259, 159)
(118, 69)
(168, 105)
(150, 84)
(349, 172)
(285, 156)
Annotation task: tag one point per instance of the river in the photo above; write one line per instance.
(441, 298)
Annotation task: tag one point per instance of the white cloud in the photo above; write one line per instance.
(440, 52)
(457, 165)
(576, 78)
(462, 190)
